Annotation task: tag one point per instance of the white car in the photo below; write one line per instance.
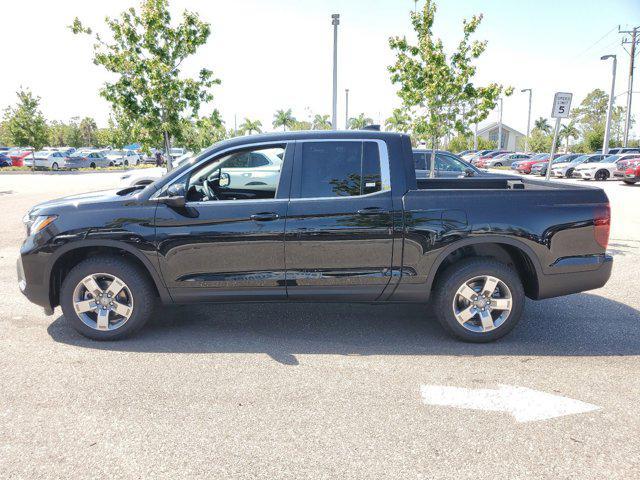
(600, 170)
(51, 159)
(145, 176)
(566, 169)
(123, 157)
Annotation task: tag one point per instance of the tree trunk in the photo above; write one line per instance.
(167, 147)
(432, 173)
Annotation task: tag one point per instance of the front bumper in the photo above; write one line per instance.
(37, 293)
(594, 273)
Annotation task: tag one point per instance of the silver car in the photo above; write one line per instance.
(87, 159)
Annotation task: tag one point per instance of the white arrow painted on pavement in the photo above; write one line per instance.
(524, 404)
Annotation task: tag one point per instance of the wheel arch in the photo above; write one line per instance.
(504, 249)
(69, 255)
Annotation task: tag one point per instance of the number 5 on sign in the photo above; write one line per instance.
(561, 105)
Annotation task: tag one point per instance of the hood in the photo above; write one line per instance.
(78, 201)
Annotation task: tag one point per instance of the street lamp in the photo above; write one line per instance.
(605, 144)
(526, 140)
(346, 108)
(335, 21)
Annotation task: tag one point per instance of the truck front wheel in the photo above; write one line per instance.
(479, 300)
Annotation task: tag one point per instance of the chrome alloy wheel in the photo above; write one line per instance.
(103, 301)
(482, 304)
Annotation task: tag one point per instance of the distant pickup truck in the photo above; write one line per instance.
(346, 221)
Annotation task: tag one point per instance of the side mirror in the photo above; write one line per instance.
(175, 196)
(468, 172)
(225, 180)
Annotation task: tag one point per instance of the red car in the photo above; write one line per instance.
(494, 153)
(622, 165)
(525, 165)
(17, 158)
(632, 175)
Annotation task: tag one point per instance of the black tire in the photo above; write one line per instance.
(498, 164)
(143, 292)
(629, 182)
(569, 173)
(601, 175)
(54, 166)
(126, 163)
(461, 272)
(93, 165)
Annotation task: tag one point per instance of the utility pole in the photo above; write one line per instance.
(346, 109)
(605, 144)
(500, 127)
(634, 39)
(526, 140)
(335, 21)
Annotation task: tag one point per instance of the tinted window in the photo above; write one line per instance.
(257, 160)
(239, 160)
(339, 169)
(450, 164)
(419, 161)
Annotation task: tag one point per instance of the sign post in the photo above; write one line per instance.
(561, 107)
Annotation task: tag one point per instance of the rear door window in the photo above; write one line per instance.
(339, 169)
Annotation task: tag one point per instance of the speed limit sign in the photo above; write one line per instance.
(561, 105)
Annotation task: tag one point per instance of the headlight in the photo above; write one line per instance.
(34, 224)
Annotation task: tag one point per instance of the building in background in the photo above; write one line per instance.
(510, 137)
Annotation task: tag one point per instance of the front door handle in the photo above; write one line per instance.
(371, 211)
(265, 217)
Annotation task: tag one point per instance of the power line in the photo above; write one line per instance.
(596, 42)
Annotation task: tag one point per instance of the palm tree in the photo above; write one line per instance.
(321, 122)
(283, 119)
(250, 126)
(569, 131)
(543, 125)
(359, 122)
(398, 121)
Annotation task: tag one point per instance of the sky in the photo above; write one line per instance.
(277, 54)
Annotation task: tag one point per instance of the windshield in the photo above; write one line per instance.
(610, 159)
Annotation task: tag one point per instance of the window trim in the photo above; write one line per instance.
(385, 171)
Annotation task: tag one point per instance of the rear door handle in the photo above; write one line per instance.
(265, 217)
(372, 211)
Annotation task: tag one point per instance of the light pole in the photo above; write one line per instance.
(335, 21)
(346, 109)
(526, 140)
(605, 144)
(500, 127)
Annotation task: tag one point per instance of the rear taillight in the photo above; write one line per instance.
(602, 225)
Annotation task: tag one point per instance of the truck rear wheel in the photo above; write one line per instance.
(107, 298)
(479, 300)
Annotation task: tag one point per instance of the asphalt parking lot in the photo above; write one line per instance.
(315, 391)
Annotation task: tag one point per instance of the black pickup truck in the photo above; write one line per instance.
(315, 216)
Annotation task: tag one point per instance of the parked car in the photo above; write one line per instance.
(327, 230)
(604, 169)
(5, 160)
(469, 157)
(487, 156)
(623, 164)
(563, 168)
(541, 168)
(18, 156)
(632, 173)
(88, 159)
(466, 152)
(621, 150)
(48, 159)
(448, 165)
(525, 165)
(504, 160)
(123, 157)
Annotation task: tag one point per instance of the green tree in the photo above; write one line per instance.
(203, 132)
(592, 111)
(88, 130)
(568, 132)
(145, 54)
(250, 126)
(542, 124)
(24, 123)
(437, 89)
(321, 122)
(57, 133)
(300, 125)
(284, 119)
(539, 141)
(398, 121)
(359, 122)
(594, 138)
